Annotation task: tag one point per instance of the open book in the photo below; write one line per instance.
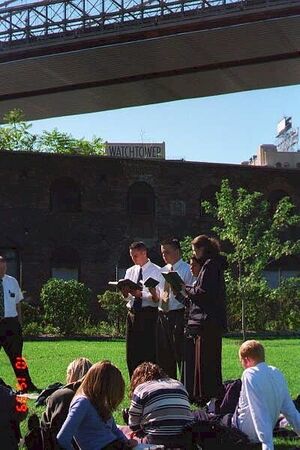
(150, 283)
(174, 279)
(125, 282)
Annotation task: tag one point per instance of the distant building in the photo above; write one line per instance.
(73, 217)
(268, 155)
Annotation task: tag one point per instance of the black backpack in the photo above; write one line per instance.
(211, 435)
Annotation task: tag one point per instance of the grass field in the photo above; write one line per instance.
(48, 361)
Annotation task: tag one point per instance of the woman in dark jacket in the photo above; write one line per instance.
(206, 322)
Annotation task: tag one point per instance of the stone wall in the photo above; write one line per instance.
(101, 211)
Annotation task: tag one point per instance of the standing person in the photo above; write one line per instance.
(11, 338)
(264, 395)
(188, 365)
(142, 309)
(159, 407)
(207, 319)
(170, 324)
(90, 418)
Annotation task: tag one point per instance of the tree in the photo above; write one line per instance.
(58, 142)
(15, 136)
(254, 235)
(186, 248)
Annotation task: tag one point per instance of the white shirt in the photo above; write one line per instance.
(12, 295)
(184, 271)
(149, 270)
(264, 395)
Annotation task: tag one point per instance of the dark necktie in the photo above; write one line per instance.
(166, 295)
(1, 299)
(137, 302)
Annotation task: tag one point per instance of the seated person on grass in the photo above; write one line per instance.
(58, 403)
(159, 407)
(90, 418)
(264, 395)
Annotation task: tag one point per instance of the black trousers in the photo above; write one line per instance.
(169, 345)
(12, 341)
(202, 374)
(140, 337)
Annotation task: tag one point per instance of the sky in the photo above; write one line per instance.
(224, 128)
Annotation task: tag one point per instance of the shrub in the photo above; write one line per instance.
(257, 301)
(186, 248)
(32, 329)
(65, 304)
(88, 329)
(114, 305)
(30, 313)
(286, 306)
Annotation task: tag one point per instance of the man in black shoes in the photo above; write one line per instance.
(11, 338)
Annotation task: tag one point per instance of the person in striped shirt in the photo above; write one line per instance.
(159, 407)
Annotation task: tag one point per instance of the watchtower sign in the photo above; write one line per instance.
(135, 151)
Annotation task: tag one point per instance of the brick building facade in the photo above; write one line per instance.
(74, 216)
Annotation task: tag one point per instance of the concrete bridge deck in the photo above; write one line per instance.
(172, 54)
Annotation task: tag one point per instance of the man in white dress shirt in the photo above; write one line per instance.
(10, 327)
(142, 309)
(264, 395)
(170, 324)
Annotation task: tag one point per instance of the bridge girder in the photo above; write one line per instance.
(140, 65)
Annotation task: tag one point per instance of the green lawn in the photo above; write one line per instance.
(48, 361)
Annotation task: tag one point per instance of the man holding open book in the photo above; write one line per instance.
(170, 325)
(142, 307)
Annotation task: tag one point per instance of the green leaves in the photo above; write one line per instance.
(65, 304)
(255, 234)
(58, 142)
(114, 305)
(245, 221)
(15, 136)
(186, 248)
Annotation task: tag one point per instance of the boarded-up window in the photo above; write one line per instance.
(65, 264)
(65, 195)
(141, 210)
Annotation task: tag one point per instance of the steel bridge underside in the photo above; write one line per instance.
(171, 59)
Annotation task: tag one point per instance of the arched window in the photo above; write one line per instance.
(141, 209)
(65, 264)
(275, 197)
(141, 199)
(208, 194)
(278, 165)
(65, 195)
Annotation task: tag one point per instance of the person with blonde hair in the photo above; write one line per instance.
(77, 369)
(58, 403)
(264, 395)
(90, 418)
